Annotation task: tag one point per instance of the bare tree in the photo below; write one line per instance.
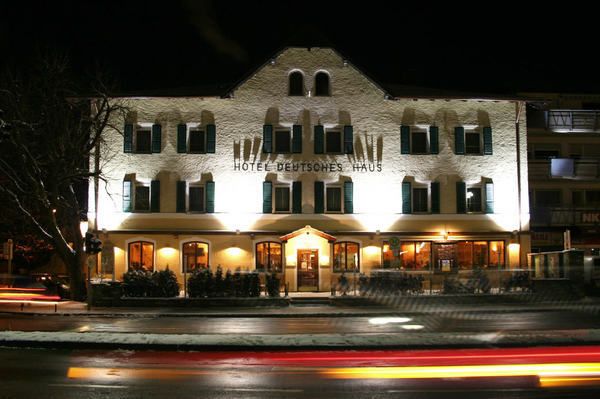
(49, 131)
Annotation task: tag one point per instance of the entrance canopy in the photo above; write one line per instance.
(308, 230)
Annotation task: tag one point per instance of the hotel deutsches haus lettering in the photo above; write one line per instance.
(309, 168)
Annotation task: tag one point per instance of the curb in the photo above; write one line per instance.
(383, 341)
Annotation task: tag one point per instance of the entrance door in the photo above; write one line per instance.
(444, 257)
(308, 270)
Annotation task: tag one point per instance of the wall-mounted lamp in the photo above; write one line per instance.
(377, 232)
(237, 231)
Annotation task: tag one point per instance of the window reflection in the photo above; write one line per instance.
(195, 256)
(346, 257)
(141, 256)
(268, 256)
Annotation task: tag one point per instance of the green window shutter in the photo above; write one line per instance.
(348, 139)
(348, 197)
(435, 197)
(459, 140)
(489, 197)
(155, 196)
(211, 139)
(156, 137)
(297, 197)
(406, 197)
(128, 138)
(210, 197)
(319, 139)
(181, 138)
(127, 194)
(268, 138)
(404, 139)
(461, 197)
(319, 197)
(487, 141)
(267, 197)
(434, 140)
(181, 185)
(297, 139)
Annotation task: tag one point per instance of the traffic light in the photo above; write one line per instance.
(92, 244)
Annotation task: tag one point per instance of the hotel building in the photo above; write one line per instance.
(309, 168)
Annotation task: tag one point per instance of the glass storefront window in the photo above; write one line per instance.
(480, 254)
(268, 256)
(195, 256)
(346, 257)
(141, 256)
(496, 254)
(410, 255)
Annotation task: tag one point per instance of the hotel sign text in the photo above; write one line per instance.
(305, 167)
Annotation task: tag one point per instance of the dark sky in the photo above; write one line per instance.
(487, 46)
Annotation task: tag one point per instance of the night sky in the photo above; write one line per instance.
(492, 47)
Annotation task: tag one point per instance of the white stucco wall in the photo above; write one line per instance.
(356, 101)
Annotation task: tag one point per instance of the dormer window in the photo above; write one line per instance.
(322, 84)
(296, 84)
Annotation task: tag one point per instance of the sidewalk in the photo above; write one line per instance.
(73, 308)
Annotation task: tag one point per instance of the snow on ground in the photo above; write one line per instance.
(8, 338)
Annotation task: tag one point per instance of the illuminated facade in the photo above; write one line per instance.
(308, 168)
(564, 182)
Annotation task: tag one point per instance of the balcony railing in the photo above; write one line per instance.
(575, 121)
(582, 169)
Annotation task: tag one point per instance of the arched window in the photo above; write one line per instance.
(141, 256)
(296, 87)
(322, 84)
(268, 256)
(195, 256)
(346, 257)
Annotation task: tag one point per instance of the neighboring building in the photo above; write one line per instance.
(564, 170)
(309, 168)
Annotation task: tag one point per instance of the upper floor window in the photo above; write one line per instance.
(473, 142)
(141, 256)
(333, 199)
(589, 198)
(416, 140)
(345, 257)
(269, 256)
(322, 84)
(141, 197)
(143, 141)
(195, 256)
(195, 197)
(333, 141)
(474, 199)
(193, 138)
(142, 138)
(296, 84)
(283, 141)
(282, 199)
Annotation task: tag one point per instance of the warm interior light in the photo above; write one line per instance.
(233, 251)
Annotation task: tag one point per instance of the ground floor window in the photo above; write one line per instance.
(268, 256)
(407, 255)
(479, 254)
(195, 256)
(346, 257)
(141, 256)
(445, 257)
